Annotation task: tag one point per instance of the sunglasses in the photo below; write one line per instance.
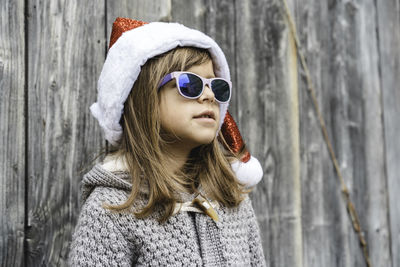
(191, 85)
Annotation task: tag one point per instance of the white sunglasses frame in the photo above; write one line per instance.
(175, 75)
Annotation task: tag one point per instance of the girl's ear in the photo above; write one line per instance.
(248, 169)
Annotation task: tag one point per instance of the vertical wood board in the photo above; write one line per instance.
(388, 13)
(341, 52)
(65, 54)
(268, 119)
(12, 132)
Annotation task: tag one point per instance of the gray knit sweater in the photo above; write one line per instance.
(189, 238)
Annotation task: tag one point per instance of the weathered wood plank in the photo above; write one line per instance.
(12, 132)
(66, 52)
(388, 13)
(149, 11)
(268, 118)
(341, 47)
(192, 14)
(375, 197)
(325, 222)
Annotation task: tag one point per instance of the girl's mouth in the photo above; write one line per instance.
(208, 114)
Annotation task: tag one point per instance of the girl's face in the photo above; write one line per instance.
(181, 117)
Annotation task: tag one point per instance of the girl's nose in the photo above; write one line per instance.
(207, 94)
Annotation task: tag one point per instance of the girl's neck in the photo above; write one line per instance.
(177, 156)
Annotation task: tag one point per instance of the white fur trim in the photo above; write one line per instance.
(249, 173)
(114, 164)
(131, 51)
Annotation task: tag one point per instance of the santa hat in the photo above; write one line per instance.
(134, 42)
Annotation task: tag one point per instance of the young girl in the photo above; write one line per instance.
(172, 192)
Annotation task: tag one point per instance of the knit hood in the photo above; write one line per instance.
(98, 176)
(113, 173)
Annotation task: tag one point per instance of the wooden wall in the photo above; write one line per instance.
(51, 54)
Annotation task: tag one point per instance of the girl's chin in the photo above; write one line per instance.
(205, 138)
(191, 139)
(200, 141)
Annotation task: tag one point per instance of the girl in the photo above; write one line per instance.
(172, 191)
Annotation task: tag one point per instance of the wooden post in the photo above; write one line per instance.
(12, 132)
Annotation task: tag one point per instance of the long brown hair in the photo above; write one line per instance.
(142, 146)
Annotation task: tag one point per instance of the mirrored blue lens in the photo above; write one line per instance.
(190, 85)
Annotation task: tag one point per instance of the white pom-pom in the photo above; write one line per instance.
(249, 173)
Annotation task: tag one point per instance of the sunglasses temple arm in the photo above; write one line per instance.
(166, 79)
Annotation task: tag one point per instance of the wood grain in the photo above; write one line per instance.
(66, 52)
(341, 50)
(328, 236)
(148, 11)
(388, 28)
(12, 132)
(268, 119)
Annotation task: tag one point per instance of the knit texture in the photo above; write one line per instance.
(105, 238)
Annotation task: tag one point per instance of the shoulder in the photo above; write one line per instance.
(244, 212)
(93, 211)
(108, 194)
(95, 217)
(104, 195)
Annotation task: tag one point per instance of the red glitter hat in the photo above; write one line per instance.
(248, 170)
(233, 138)
(122, 25)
